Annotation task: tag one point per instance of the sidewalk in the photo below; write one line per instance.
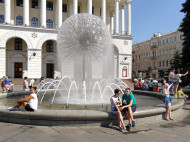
(164, 131)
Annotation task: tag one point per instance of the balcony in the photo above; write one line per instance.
(153, 57)
(154, 47)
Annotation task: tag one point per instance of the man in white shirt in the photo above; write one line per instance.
(31, 83)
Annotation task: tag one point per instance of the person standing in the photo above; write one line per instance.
(171, 78)
(31, 83)
(129, 107)
(177, 80)
(150, 85)
(25, 84)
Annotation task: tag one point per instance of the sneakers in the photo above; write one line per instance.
(133, 123)
(13, 109)
(128, 127)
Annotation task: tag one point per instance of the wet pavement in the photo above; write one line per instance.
(164, 131)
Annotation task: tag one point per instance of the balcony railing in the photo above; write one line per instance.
(153, 58)
(153, 47)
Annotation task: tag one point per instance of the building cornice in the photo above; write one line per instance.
(122, 37)
(26, 28)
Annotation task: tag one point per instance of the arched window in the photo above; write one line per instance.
(34, 22)
(1, 18)
(124, 71)
(19, 20)
(49, 23)
(49, 46)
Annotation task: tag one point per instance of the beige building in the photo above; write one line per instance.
(153, 56)
(28, 34)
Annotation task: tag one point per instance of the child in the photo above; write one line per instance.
(167, 100)
(30, 103)
(3, 86)
(10, 87)
(180, 94)
(156, 89)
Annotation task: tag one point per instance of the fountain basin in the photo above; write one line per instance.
(84, 117)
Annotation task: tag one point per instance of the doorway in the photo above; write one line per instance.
(49, 70)
(18, 70)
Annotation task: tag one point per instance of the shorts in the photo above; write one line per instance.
(133, 108)
(114, 111)
(28, 108)
(168, 104)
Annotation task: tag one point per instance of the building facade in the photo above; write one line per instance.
(28, 34)
(153, 56)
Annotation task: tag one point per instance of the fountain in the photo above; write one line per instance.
(86, 62)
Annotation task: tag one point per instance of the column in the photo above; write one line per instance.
(129, 17)
(26, 12)
(2, 61)
(75, 7)
(122, 24)
(7, 11)
(103, 11)
(111, 24)
(116, 17)
(71, 9)
(43, 13)
(89, 6)
(59, 13)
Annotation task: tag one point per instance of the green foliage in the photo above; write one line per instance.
(185, 28)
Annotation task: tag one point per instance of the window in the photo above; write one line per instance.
(124, 71)
(35, 4)
(49, 23)
(18, 44)
(93, 10)
(49, 5)
(34, 22)
(78, 9)
(166, 63)
(163, 63)
(19, 20)
(100, 12)
(19, 3)
(1, 1)
(49, 46)
(1, 18)
(64, 7)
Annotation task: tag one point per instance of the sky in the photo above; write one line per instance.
(153, 16)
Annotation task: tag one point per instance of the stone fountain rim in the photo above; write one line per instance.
(60, 117)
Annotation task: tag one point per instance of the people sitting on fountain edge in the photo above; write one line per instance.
(30, 103)
(129, 107)
(116, 103)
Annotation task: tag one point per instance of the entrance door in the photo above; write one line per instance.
(18, 70)
(49, 70)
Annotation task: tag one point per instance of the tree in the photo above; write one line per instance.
(176, 62)
(185, 28)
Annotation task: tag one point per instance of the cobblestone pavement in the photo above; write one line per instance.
(164, 131)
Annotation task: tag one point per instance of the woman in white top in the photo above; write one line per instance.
(30, 103)
(177, 80)
(116, 103)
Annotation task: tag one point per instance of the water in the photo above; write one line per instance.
(142, 101)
